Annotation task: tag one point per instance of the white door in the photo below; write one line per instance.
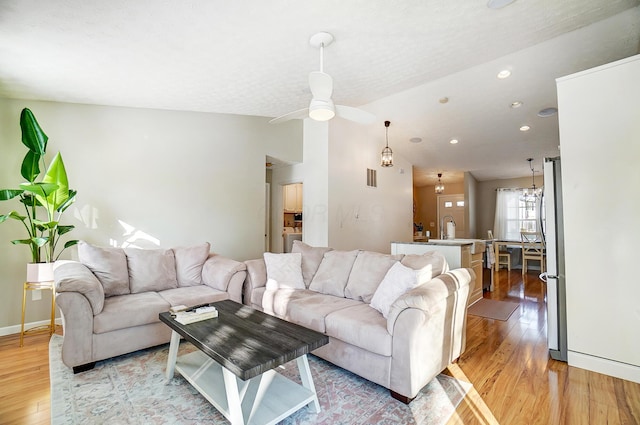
(454, 206)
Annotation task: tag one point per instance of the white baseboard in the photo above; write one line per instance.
(15, 329)
(620, 370)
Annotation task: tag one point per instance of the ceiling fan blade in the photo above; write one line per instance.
(299, 114)
(321, 85)
(355, 114)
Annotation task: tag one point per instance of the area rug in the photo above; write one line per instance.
(493, 309)
(131, 389)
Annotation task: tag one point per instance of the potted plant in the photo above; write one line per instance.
(43, 201)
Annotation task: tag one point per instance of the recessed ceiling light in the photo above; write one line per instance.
(443, 100)
(547, 112)
(516, 104)
(453, 141)
(525, 128)
(505, 73)
(497, 4)
(415, 140)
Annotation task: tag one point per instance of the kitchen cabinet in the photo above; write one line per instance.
(457, 253)
(293, 198)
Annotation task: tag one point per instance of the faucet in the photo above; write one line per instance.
(443, 235)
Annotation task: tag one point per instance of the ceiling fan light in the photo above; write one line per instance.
(321, 110)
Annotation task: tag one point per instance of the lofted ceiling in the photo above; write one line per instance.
(396, 59)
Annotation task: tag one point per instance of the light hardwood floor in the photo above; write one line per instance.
(514, 381)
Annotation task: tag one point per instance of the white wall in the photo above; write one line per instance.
(146, 178)
(600, 147)
(362, 217)
(315, 191)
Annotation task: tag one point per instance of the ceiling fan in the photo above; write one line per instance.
(321, 107)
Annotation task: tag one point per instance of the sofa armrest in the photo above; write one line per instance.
(256, 277)
(428, 325)
(72, 276)
(224, 274)
(77, 322)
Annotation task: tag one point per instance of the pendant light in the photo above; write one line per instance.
(530, 195)
(387, 153)
(439, 186)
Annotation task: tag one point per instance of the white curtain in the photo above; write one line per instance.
(514, 214)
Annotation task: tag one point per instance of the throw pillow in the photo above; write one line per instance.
(367, 273)
(109, 265)
(333, 273)
(189, 262)
(151, 269)
(284, 270)
(398, 280)
(311, 259)
(428, 265)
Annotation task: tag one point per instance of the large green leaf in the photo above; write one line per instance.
(71, 243)
(69, 201)
(14, 215)
(35, 241)
(6, 194)
(32, 135)
(56, 174)
(30, 169)
(62, 229)
(39, 189)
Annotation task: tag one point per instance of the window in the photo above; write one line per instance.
(515, 213)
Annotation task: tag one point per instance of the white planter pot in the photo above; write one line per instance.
(39, 272)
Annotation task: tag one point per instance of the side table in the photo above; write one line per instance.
(36, 286)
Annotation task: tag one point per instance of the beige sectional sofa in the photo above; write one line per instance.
(110, 299)
(397, 321)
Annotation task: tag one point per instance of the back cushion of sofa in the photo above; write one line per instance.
(151, 269)
(368, 271)
(284, 270)
(109, 265)
(428, 265)
(311, 259)
(333, 272)
(189, 263)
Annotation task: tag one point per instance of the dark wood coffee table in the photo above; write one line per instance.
(234, 365)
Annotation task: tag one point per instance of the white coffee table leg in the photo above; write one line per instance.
(173, 355)
(307, 381)
(233, 397)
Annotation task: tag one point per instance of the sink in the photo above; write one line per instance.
(477, 245)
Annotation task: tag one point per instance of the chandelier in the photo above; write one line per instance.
(531, 195)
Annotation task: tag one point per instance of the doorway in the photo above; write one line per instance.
(292, 215)
(454, 206)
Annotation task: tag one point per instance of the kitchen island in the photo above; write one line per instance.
(458, 253)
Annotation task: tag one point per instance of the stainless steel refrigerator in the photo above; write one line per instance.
(554, 243)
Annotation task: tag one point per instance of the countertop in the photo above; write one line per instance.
(449, 242)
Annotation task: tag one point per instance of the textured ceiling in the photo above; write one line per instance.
(395, 59)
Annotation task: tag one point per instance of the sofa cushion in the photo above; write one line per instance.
(428, 265)
(311, 259)
(333, 273)
(126, 311)
(193, 295)
(310, 311)
(151, 269)
(362, 326)
(367, 273)
(398, 280)
(189, 262)
(109, 265)
(284, 270)
(276, 302)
